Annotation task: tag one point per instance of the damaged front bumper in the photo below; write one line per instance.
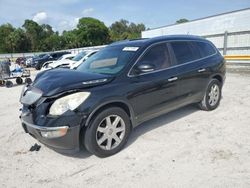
(63, 138)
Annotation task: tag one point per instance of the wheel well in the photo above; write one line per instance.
(114, 104)
(218, 77)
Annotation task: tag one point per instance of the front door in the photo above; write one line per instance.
(154, 92)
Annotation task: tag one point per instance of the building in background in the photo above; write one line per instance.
(230, 31)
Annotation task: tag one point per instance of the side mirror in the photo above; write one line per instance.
(144, 68)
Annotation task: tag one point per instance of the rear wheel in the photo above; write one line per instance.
(212, 97)
(108, 132)
(19, 80)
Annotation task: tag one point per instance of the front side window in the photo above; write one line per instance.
(157, 56)
(110, 60)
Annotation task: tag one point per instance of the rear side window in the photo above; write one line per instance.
(158, 56)
(205, 49)
(185, 52)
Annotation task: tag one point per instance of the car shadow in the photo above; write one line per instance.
(82, 154)
(163, 120)
(143, 128)
(146, 127)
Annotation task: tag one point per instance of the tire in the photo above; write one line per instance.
(98, 130)
(211, 99)
(28, 80)
(19, 80)
(9, 84)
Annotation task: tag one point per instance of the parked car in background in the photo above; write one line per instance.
(74, 65)
(61, 61)
(20, 60)
(48, 57)
(30, 61)
(127, 83)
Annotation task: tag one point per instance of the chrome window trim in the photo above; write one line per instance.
(139, 58)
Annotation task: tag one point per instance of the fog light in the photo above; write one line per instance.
(54, 133)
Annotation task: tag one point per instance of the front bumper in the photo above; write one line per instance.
(67, 144)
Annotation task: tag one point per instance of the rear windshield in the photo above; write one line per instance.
(110, 60)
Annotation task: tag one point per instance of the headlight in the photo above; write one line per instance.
(69, 102)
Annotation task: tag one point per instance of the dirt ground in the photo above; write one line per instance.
(185, 148)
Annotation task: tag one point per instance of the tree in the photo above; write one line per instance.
(34, 32)
(52, 43)
(5, 31)
(91, 32)
(182, 20)
(122, 29)
(17, 41)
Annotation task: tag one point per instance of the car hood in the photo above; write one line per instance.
(55, 64)
(55, 81)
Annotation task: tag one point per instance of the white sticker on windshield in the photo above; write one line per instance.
(130, 49)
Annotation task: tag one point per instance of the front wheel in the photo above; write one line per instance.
(212, 97)
(108, 132)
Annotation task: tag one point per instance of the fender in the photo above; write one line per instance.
(124, 102)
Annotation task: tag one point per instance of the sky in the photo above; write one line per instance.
(64, 14)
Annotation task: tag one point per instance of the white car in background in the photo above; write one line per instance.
(64, 60)
(87, 55)
(73, 63)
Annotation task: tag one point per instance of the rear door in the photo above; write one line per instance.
(192, 71)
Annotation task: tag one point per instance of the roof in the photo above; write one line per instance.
(148, 41)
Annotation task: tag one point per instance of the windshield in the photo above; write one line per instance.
(79, 56)
(110, 60)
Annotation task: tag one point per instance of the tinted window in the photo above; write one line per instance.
(157, 56)
(185, 51)
(205, 49)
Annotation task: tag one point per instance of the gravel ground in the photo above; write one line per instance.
(185, 148)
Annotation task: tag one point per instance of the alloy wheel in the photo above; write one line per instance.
(110, 132)
(214, 95)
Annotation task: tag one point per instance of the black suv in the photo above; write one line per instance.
(118, 88)
(48, 57)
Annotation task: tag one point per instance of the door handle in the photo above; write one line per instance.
(201, 70)
(172, 79)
